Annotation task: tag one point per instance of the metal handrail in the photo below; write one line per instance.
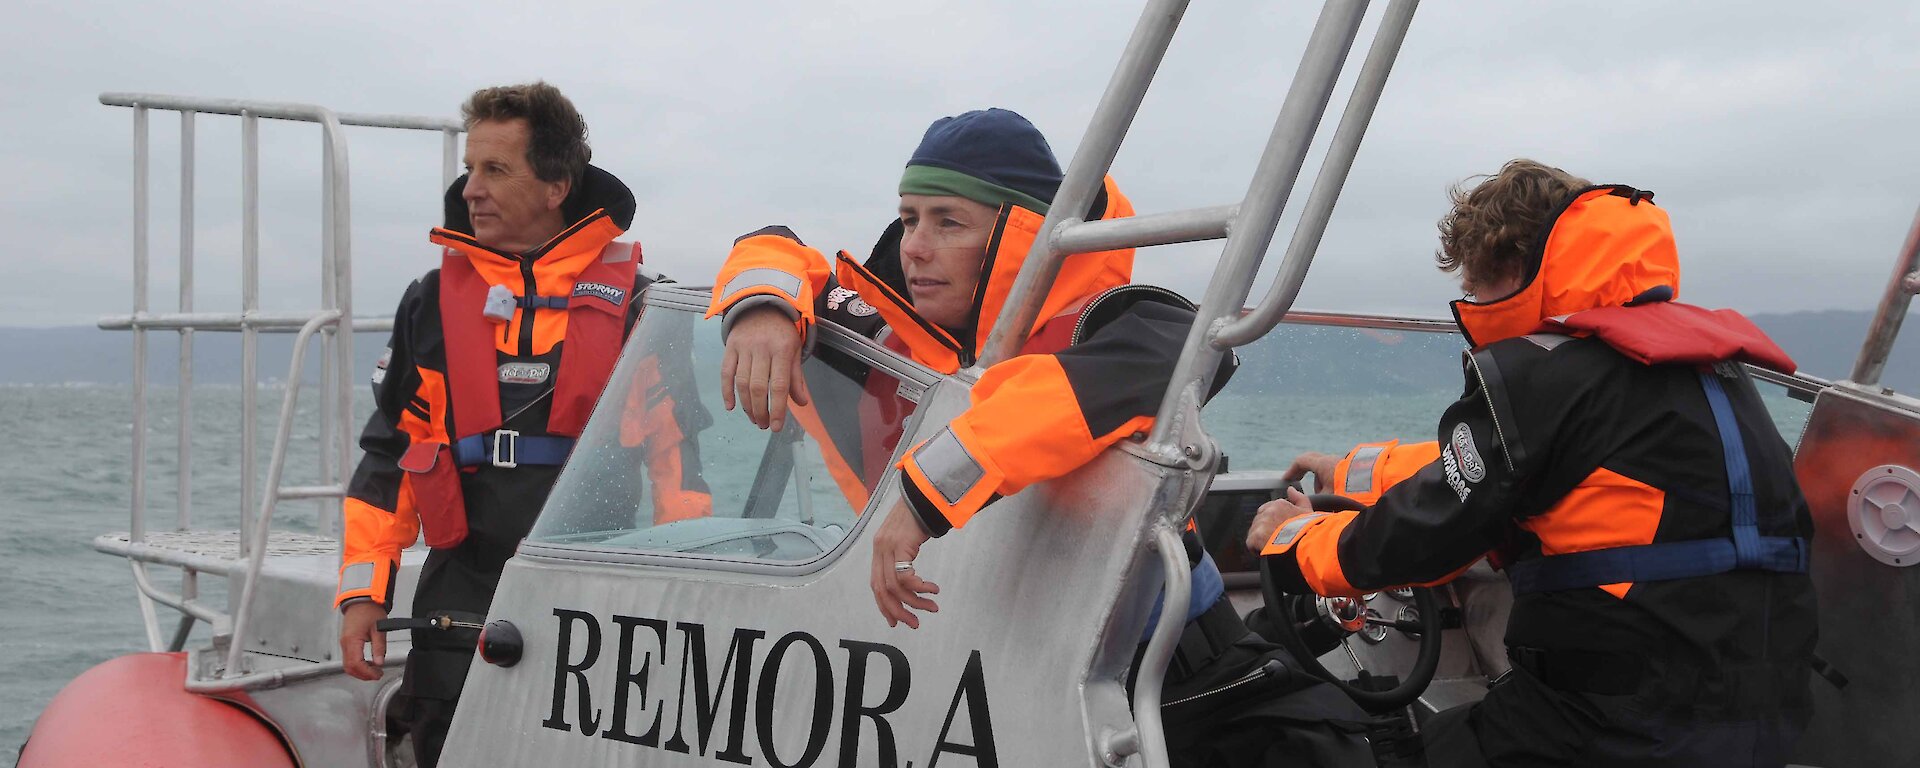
(274, 678)
(1893, 309)
(1326, 188)
(1173, 617)
(265, 322)
(1147, 230)
(1086, 173)
(257, 554)
(336, 303)
(1273, 180)
(275, 110)
(179, 603)
(1800, 385)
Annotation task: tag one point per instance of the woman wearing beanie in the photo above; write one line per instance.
(1092, 372)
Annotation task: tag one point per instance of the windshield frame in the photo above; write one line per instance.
(915, 379)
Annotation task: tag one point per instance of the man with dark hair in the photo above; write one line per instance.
(1612, 455)
(495, 362)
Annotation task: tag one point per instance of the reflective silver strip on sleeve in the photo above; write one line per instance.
(356, 576)
(948, 466)
(771, 278)
(1360, 470)
(1547, 341)
(1290, 531)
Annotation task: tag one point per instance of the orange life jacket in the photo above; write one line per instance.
(596, 317)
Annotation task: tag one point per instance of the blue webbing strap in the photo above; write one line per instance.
(543, 302)
(1746, 550)
(1746, 520)
(542, 450)
(1651, 562)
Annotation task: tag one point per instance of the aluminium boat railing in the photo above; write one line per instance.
(1248, 228)
(333, 322)
(1901, 287)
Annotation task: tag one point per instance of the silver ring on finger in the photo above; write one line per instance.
(903, 566)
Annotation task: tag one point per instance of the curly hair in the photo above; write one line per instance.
(1495, 224)
(557, 135)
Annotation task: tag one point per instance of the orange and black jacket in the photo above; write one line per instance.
(1085, 379)
(1588, 437)
(436, 445)
(1371, 468)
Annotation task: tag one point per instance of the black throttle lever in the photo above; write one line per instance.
(438, 621)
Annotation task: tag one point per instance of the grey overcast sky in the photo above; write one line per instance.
(1779, 135)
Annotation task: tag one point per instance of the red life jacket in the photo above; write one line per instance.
(596, 319)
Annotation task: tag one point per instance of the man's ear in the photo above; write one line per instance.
(557, 192)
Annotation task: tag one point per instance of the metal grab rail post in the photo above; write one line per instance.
(249, 304)
(1259, 215)
(137, 528)
(1147, 685)
(328, 291)
(184, 519)
(341, 223)
(1367, 89)
(1893, 309)
(257, 551)
(449, 157)
(189, 578)
(1085, 175)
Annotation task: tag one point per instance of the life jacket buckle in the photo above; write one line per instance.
(506, 448)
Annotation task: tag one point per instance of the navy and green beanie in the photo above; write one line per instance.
(989, 156)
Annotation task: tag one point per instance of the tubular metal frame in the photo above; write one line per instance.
(333, 322)
(1248, 228)
(1893, 309)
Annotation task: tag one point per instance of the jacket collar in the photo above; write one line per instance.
(600, 207)
(881, 282)
(1608, 246)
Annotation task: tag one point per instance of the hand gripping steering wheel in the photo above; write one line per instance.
(1289, 631)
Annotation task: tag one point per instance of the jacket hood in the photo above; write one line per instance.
(1609, 246)
(881, 281)
(597, 191)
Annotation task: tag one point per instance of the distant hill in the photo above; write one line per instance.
(78, 354)
(1302, 359)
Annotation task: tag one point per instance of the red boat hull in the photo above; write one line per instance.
(134, 711)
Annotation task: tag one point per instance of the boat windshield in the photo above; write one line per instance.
(662, 467)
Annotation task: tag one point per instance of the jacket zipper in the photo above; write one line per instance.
(1255, 674)
(1506, 454)
(530, 289)
(1080, 323)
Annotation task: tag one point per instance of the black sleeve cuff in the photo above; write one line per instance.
(1283, 571)
(929, 517)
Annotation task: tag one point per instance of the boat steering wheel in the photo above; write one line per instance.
(1289, 630)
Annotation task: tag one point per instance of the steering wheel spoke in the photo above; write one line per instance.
(1420, 620)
